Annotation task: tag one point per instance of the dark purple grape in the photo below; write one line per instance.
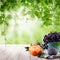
(45, 46)
(52, 51)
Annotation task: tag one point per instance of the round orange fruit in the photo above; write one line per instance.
(35, 50)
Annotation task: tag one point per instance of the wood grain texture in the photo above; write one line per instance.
(17, 52)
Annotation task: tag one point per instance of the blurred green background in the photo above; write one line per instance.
(27, 21)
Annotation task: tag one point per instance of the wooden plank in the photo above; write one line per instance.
(17, 52)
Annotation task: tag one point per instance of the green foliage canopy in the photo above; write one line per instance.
(47, 10)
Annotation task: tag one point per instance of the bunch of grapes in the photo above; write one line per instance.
(51, 37)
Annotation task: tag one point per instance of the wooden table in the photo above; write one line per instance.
(17, 52)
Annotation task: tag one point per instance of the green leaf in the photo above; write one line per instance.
(27, 48)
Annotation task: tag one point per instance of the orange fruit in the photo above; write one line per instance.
(35, 50)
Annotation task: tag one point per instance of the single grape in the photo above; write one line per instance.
(45, 47)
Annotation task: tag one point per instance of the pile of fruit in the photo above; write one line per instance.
(37, 49)
(51, 37)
